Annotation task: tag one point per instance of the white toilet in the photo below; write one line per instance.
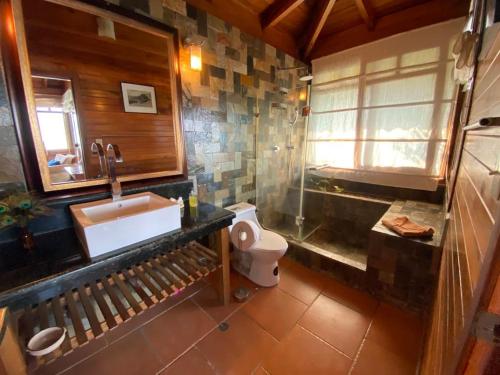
(260, 262)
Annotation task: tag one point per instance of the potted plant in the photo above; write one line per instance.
(18, 209)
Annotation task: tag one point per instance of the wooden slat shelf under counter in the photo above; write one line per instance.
(92, 309)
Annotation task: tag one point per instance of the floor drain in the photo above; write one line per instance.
(223, 326)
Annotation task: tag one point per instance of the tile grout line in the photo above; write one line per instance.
(291, 295)
(194, 345)
(240, 306)
(152, 348)
(296, 322)
(210, 364)
(260, 366)
(358, 310)
(294, 325)
(325, 342)
(295, 298)
(188, 349)
(308, 306)
(205, 312)
(355, 359)
(263, 369)
(261, 327)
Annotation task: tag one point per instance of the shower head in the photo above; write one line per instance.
(305, 74)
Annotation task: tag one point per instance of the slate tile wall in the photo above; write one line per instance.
(239, 79)
(11, 172)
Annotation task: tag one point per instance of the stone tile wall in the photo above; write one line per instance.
(11, 171)
(239, 79)
(344, 218)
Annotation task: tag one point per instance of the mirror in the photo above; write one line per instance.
(93, 78)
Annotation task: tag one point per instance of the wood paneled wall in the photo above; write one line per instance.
(473, 228)
(64, 43)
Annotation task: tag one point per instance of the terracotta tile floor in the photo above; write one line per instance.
(309, 324)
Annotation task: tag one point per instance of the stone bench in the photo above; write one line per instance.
(400, 269)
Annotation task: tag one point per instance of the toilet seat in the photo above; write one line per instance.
(270, 241)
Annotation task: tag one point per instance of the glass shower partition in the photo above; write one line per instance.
(280, 153)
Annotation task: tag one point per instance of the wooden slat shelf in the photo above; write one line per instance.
(90, 310)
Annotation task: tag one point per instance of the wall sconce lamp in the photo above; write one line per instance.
(303, 94)
(194, 45)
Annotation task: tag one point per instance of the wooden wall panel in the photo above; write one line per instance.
(486, 101)
(62, 41)
(482, 222)
(470, 244)
(462, 256)
(473, 227)
(479, 161)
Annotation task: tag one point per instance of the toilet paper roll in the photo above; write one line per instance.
(244, 234)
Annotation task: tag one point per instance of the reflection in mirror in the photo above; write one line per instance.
(58, 124)
(93, 78)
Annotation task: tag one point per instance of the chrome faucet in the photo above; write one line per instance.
(97, 149)
(114, 156)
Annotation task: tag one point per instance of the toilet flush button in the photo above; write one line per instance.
(243, 236)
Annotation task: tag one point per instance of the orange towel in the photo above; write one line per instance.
(403, 226)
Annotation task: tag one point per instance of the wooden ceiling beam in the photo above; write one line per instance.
(366, 12)
(278, 10)
(428, 13)
(319, 17)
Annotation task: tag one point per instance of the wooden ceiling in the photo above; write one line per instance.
(308, 29)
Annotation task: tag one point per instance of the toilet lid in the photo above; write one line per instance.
(270, 241)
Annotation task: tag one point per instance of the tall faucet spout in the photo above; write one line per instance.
(98, 150)
(114, 156)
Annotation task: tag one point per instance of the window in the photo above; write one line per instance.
(380, 111)
(52, 128)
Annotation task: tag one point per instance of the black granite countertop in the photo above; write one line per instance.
(59, 262)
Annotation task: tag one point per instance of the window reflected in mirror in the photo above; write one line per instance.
(59, 128)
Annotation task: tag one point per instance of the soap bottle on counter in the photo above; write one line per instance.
(193, 199)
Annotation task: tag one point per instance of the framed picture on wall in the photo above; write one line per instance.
(138, 98)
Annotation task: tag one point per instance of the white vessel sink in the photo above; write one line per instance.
(103, 226)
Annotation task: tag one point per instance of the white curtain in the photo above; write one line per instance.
(380, 111)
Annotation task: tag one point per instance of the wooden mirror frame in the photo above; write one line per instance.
(20, 91)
